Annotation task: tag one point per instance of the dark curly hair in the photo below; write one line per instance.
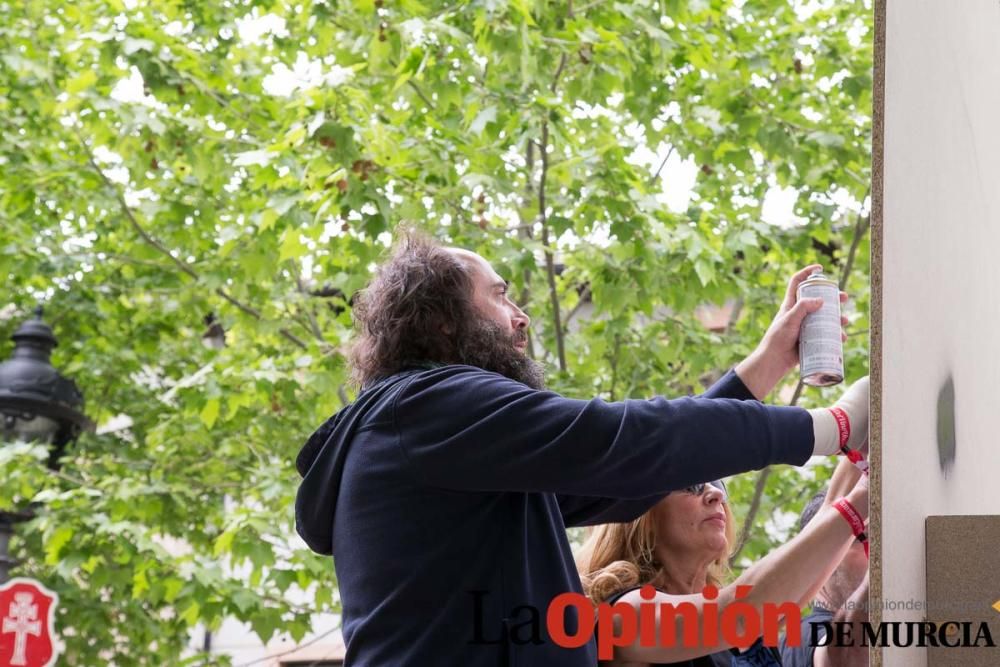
(418, 308)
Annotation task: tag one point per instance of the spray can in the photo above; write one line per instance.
(821, 352)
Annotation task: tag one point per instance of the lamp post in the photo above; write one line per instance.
(37, 404)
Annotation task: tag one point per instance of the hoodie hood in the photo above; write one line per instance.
(321, 465)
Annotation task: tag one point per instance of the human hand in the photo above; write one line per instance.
(859, 497)
(862, 485)
(780, 344)
(778, 351)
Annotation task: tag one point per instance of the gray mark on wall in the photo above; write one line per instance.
(946, 425)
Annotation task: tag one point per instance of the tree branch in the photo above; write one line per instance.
(182, 265)
(310, 313)
(559, 71)
(149, 239)
(656, 175)
(590, 5)
(584, 296)
(550, 269)
(614, 367)
(256, 314)
(758, 493)
(524, 232)
(249, 310)
(416, 88)
(125, 259)
(303, 645)
(860, 227)
(71, 479)
(412, 84)
(734, 316)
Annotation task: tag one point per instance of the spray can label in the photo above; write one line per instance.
(821, 352)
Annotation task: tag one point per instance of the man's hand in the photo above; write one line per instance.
(855, 654)
(778, 351)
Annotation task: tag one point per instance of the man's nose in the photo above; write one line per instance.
(520, 319)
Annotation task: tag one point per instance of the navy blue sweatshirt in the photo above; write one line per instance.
(443, 495)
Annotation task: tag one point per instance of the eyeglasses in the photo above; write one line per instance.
(699, 489)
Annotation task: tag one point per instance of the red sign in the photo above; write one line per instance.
(27, 612)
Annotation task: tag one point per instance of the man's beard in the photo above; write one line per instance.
(489, 347)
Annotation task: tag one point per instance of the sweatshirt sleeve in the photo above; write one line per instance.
(588, 511)
(463, 428)
(729, 386)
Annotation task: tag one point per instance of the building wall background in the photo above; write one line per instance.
(941, 294)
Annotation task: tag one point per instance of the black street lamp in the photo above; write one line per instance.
(37, 404)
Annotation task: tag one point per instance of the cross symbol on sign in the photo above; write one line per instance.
(22, 620)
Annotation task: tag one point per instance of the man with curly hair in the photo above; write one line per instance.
(444, 491)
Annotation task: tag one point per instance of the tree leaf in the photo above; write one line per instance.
(209, 412)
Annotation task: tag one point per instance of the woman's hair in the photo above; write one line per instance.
(419, 293)
(619, 556)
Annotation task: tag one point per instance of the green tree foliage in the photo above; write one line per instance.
(254, 177)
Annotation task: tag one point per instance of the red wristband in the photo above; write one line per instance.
(857, 458)
(844, 428)
(853, 517)
(843, 425)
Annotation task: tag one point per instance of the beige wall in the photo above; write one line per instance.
(941, 277)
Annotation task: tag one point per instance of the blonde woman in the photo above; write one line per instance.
(681, 546)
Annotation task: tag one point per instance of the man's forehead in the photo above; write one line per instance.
(476, 263)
